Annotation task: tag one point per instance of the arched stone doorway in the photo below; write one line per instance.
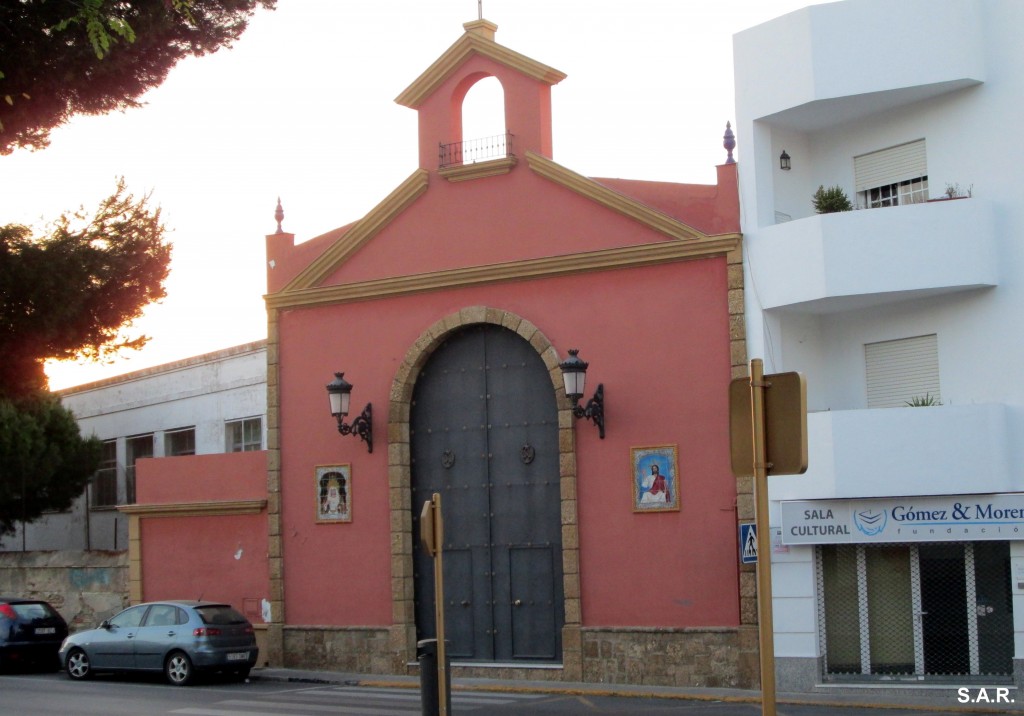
(404, 631)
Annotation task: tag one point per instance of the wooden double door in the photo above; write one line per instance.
(484, 435)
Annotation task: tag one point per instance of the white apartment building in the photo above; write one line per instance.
(210, 403)
(899, 556)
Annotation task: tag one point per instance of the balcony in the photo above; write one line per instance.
(893, 452)
(476, 158)
(472, 151)
(840, 61)
(858, 259)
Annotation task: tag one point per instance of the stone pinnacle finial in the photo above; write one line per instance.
(729, 142)
(279, 215)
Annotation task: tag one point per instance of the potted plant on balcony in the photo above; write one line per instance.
(955, 191)
(831, 200)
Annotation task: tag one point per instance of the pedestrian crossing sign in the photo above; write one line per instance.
(748, 543)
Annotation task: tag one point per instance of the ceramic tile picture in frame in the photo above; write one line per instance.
(334, 493)
(655, 478)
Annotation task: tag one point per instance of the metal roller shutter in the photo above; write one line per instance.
(889, 166)
(899, 371)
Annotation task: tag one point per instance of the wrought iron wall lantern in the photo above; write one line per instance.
(339, 391)
(784, 161)
(574, 374)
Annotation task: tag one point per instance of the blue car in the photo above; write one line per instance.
(178, 638)
(30, 633)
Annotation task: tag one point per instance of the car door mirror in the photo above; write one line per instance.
(105, 624)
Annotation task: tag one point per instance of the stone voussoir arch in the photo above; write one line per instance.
(403, 630)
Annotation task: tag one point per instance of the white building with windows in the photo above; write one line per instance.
(898, 557)
(211, 403)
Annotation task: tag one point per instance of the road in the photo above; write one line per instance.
(56, 695)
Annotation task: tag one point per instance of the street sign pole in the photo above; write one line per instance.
(432, 534)
(442, 652)
(764, 561)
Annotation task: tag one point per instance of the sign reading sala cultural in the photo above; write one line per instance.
(904, 519)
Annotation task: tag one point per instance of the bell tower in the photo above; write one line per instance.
(438, 94)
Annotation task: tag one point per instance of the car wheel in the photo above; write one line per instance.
(178, 669)
(77, 665)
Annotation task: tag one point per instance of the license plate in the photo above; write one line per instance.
(238, 656)
(46, 630)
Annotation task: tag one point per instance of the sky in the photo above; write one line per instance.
(302, 108)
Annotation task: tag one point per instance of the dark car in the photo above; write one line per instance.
(31, 632)
(178, 638)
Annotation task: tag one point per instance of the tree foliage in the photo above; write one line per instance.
(59, 58)
(44, 462)
(72, 293)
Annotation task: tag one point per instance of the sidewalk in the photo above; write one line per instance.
(929, 699)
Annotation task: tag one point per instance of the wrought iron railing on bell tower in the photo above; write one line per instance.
(472, 151)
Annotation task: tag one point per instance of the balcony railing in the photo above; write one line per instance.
(472, 151)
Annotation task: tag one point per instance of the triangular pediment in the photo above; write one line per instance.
(361, 232)
(611, 199)
(478, 40)
(688, 240)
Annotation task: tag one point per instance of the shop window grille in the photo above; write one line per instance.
(935, 611)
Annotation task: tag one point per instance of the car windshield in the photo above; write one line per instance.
(35, 610)
(220, 614)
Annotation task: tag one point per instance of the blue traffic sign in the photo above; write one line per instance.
(748, 543)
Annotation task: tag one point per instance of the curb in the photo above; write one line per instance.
(618, 692)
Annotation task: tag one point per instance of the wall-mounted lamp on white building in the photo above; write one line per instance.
(784, 161)
(574, 374)
(339, 391)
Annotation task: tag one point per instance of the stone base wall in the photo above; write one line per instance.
(720, 658)
(85, 587)
(361, 650)
(714, 658)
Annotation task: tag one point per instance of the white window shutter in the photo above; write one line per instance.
(899, 371)
(889, 166)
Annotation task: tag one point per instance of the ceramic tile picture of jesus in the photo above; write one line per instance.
(334, 493)
(655, 478)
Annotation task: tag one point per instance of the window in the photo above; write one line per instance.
(180, 442)
(902, 371)
(890, 177)
(164, 615)
(136, 448)
(915, 610)
(910, 191)
(131, 617)
(104, 482)
(244, 435)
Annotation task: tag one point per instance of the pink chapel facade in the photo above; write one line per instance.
(639, 277)
(449, 308)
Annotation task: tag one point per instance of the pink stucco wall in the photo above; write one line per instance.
(636, 328)
(216, 557)
(657, 337)
(202, 478)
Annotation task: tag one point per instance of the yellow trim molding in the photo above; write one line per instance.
(478, 170)
(473, 42)
(547, 267)
(196, 509)
(362, 231)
